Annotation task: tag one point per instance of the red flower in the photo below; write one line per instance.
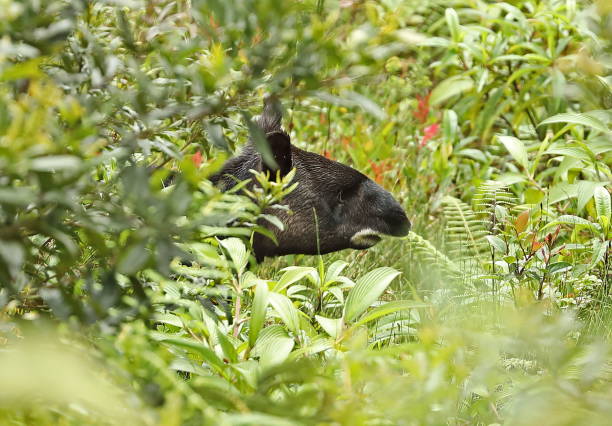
(327, 154)
(430, 133)
(197, 159)
(422, 108)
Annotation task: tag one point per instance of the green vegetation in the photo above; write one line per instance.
(126, 301)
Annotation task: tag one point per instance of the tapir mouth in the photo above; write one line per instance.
(366, 238)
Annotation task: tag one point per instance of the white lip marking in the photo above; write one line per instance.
(366, 237)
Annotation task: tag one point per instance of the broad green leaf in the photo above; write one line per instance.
(205, 352)
(273, 220)
(273, 345)
(198, 272)
(516, 148)
(215, 133)
(474, 154)
(334, 270)
(366, 291)
(237, 251)
(575, 118)
(249, 279)
(561, 191)
(167, 318)
(249, 370)
(604, 222)
(55, 163)
(533, 195)
(337, 294)
(602, 202)
(258, 312)
(411, 37)
(17, 196)
(28, 69)
(133, 258)
(511, 178)
(585, 192)
(285, 310)
(332, 326)
(450, 87)
(293, 292)
(294, 274)
(227, 347)
(568, 219)
(389, 308)
(503, 58)
(212, 231)
(497, 243)
(449, 125)
(557, 267)
(600, 248)
(569, 151)
(452, 20)
(520, 72)
(318, 344)
(206, 254)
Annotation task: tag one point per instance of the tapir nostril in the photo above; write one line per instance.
(398, 222)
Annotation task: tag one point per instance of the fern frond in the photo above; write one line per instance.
(492, 193)
(465, 235)
(465, 231)
(491, 202)
(430, 255)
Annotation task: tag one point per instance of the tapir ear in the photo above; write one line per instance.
(280, 145)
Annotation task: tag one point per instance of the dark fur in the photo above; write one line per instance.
(345, 200)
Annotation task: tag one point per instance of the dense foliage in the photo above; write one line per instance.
(128, 292)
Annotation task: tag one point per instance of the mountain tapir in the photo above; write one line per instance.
(349, 209)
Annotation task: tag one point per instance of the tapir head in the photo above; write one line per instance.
(334, 206)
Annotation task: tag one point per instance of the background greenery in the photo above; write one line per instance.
(489, 121)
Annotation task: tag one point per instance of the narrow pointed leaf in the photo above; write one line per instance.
(293, 274)
(332, 326)
(237, 251)
(227, 347)
(449, 88)
(286, 311)
(602, 202)
(389, 308)
(516, 148)
(575, 118)
(258, 312)
(206, 353)
(334, 270)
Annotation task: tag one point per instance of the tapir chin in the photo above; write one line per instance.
(334, 206)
